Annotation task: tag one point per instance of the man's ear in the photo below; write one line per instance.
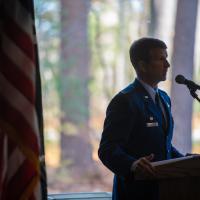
(142, 66)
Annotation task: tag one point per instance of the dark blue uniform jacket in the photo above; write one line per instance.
(133, 129)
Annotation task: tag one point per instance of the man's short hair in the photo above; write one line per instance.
(139, 50)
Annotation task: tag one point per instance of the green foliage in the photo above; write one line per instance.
(105, 47)
(47, 28)
(75, 106)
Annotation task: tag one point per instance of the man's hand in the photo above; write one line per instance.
(144, 165)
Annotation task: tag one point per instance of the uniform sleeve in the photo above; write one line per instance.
(117, 127)
(174, 152)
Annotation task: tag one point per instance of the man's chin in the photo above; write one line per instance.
(164, 77)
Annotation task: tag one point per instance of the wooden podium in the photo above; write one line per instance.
(178, 179)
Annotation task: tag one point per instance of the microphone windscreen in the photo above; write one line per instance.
(180, 79)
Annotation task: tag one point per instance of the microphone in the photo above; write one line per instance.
(180, 79)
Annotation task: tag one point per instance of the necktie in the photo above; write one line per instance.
(158, 104)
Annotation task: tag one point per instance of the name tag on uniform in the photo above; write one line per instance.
(152, 124)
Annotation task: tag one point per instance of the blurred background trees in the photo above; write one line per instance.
(74, 77)
(183, 63)
(84, 61)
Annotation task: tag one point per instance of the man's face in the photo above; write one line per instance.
(157, 66)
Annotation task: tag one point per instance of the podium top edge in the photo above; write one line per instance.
(170, 161)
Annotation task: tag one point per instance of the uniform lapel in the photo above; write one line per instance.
(167, 111)
(150, 108)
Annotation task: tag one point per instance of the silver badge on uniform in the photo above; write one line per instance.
(152, 124)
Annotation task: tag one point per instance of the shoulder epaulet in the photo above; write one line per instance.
(128, 89)
(163, 92)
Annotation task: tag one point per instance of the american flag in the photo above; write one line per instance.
(22, 170)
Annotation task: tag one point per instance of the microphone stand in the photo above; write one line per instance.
(192, 92)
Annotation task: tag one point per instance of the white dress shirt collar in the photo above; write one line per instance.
(151, 91)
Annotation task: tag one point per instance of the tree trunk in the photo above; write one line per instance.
(182, 63)
(162, 20)
(76, 150)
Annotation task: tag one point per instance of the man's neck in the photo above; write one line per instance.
(148, 82)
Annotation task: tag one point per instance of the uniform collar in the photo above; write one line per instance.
(151, 91)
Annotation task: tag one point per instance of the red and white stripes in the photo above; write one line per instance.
(19, 132)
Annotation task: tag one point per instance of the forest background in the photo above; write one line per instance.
(84, 61)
